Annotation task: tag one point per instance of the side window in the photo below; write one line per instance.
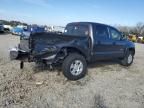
(81, 30)
(101, 32)
(115, 35)
(77, 30)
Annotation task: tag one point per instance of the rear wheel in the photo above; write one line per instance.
(128, 59)
(74, 66)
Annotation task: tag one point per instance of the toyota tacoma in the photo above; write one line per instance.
(80, 44)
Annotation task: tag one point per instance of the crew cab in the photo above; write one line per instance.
(80, 44)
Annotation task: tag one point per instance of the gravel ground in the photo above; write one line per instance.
(107, 85)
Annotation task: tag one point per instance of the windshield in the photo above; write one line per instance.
(77, 30)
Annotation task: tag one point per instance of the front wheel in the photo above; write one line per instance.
(74, 66)
(128, 59)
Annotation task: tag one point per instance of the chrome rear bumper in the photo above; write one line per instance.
(17, 54)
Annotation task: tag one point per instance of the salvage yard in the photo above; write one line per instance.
(107, 85)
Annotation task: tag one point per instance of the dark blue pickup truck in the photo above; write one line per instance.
(81, 43)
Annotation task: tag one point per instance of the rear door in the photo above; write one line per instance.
(102, 42)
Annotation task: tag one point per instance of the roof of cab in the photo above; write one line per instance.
(93, 23)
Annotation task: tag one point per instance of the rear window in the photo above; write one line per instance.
(77, 30)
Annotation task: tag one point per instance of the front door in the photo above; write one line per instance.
(118, 46)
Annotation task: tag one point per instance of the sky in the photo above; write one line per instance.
(61, 12)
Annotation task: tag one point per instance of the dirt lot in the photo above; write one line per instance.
(107, 85)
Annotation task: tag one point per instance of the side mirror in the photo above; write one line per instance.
(123, 36)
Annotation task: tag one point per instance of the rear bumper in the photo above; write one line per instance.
(17, 54)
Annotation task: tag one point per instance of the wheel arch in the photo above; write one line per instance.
(71, 49)
(132, 50)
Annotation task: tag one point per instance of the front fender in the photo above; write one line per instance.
(130, 46)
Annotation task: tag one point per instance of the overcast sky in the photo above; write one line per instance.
(60, 12)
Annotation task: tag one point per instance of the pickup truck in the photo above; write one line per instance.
(80, 44)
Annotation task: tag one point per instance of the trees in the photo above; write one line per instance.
(124, 29)
(138, 29)
(12, 23)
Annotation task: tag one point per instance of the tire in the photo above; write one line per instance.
(128, 59)
(74, 66)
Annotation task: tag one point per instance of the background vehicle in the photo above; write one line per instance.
(1, 28)
(132, 38)
(7, 28)
(81, 43)
(143, 40)
(17, 31)
(140, 39)
(35, 29)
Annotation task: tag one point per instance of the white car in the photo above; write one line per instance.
(140, 39)
(7, 27)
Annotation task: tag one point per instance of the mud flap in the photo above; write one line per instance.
(21, 65)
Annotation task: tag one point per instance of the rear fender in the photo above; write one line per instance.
(64, 52)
